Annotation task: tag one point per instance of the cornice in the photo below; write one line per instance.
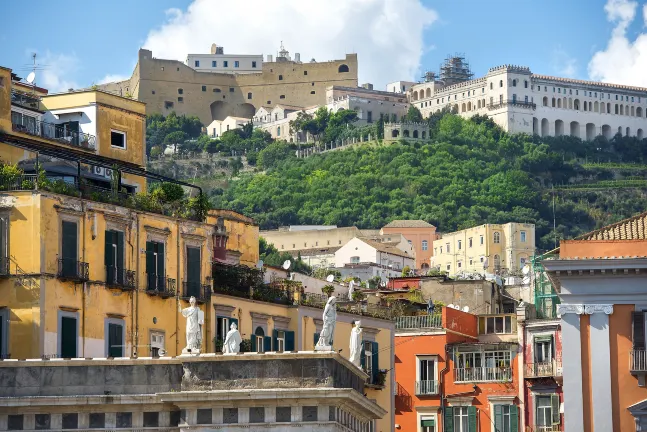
(591, 267)
(582, 309)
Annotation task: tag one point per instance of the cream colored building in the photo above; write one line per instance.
(218, 127)
(293, 239)
(485, 249)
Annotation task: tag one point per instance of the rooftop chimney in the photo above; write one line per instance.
(269, 58)
(297, 57)
(214, 47)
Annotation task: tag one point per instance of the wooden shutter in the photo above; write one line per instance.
(109, 258)
(275, 337)
(554, 402)
(376, 364)
(115, 340)
(316, 339)
(69, 241)
(289, 341)
(638, 319)
(471, 412)
(193, 264)
(253, 343)
(150, 266)
(161, 262)
(120, 264)
(498, 418)
(267, 343)
(68, 337)
(514, 418)
(448, 420)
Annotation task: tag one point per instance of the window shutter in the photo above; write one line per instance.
(109, 258)
(289, 341)
(161, 263)
(448, 419)
(193, 265)
(362, 357)
(316, 339)
(376, 363)
(68, 337)
(120, 264)
(275, 337)
(267, 343)
(150, 266)
(69, 249)
(253, 343)
(554, 401)
(471, 412)
(514, 418)
(498, 418)
(638, 319)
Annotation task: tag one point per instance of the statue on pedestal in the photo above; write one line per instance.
(194, 322)
(356, 344)
(328, 330)
(232, 340)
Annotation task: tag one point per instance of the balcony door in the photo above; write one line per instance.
(193, 272)
(427, 368)
(155, 271)
(69, 249)
(114, 257)
(543, 349)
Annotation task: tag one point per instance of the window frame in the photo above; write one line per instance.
(426, 358)
(59, 336)
(425, 245)
(496, 237)
(106, 335)
(124, 134)
(523, 237)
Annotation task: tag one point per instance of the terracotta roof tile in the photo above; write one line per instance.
(386, 248)
(633, 228)
(400, 223)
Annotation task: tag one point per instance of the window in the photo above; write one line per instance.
(256, 415)
(506, 418)
(280, 77)
(282, 97)
(481, 240)
(501, 83)
(522, 262)
(114, 257)
(425, 245)
(214, 63)
(253, 64)
(151, 419)
(231, 90)
(460, 419)
(525, 84)
(460, 244)
(491, 86)
(236, 63)
(369, 114)
(280, 341)
(428, 424)
(193, 264)
(204, 416)
(155, 271)
(305, 72)
(283, 414)
(460, 264)
(547, 410)
(15, 421)
(216, 90)
(42, 421)
(259, 342)
(369, 360)
(469, 242)
(313, 92)
(67, 334)
(354, 260)
(180, 99)
(118, 139)
(497, 237)
(543, 349)
(197, 63)
(70, 421)
(441, 249)
(225, 63)
(523, 236)
(204, 88)
(115, 337)
(124, 420)
(343, 69)
(502, 324)
(449, 267)
(97, 420)
(447, 246)
(153, 91)
(514, 83)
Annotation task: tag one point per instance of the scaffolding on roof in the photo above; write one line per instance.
(455, 69)
(546, 298)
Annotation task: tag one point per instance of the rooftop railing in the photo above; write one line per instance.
(419, 322)
(25, 100)
(60, 133)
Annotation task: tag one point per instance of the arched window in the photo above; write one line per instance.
(278, 131)
(500, 83)
(395, 133)
(525, 84)
(491, 86)
(280, 77)
(415, 134)
(553, 102)
(616, 108)
(428, 93)
(497, 237)
(463, 107)
(258, 341)
(514, 83)
(545, 101)
(425, 245)
(343, 68)
(639, 112)
(405, 133)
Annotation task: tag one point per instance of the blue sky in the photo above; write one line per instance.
(395, 39)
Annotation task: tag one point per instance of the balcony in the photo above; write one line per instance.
(59, 133)
(201, 292)
(551, 428)
(4, 266)
(483, 374)
(638, 361)
(160, 285)
(73, 270)
(274, 294)
(120, 278)
(25, 100)
(419, 322)
(514, 102)
(542, 370)
(426, 388)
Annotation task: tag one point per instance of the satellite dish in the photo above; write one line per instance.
(259, 264)
(31, 77)
(330, 278)
(525, 270)
(450, 306)
(457, 307)
(466, 309)
(287, 264)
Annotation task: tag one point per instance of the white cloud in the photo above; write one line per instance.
(563, 64)
(57, 72)
(387, 35)
(113, 78)
(623, 61)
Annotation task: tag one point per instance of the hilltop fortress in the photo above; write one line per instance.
(214, 86)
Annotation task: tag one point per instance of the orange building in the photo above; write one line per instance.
(601, 279)
(420, 234)
(457, 372)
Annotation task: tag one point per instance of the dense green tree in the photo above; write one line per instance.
(413, 115)
(274, 153)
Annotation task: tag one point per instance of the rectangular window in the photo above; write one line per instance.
(547, 410)
(354, 260)
(236, 63)
(502, 324)
(69, 249)
(42, 421)
(460, 244)
(231, 89)
(15, 421)
(543, 349)
(155, 270)
(115, 340)
(197, 63)
(4, 249)
(369, 116)
(97, 420)
(280, 341)
(481, 240)
(425, 245)
(70, 421)
(283, 414)
(214, 63)
(523, 236)
(447, 246)
(168, 104)
(427, 424)
(124, 420)
(225, 63)
(469, 242)
(68, 335)
(204, 88)
(506, 418)
(114, 257)
(151, 419)
(461, 419)
(253, 64)
(193, 276)
(118, 139)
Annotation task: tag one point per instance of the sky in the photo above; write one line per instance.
(94, 41)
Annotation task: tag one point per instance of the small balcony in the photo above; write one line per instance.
(201, 292)
(120, 278)
(426, 388)
(638, 361)
(4, 266)
(551, 428)
(419, 322)
(543, 370)
(59, 133)
(160, 285)
(73, 270)
(25, 100)
(483, 374)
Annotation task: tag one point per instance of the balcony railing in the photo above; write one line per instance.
(59, 133)
(272, 294)
(546, 369)
(483, 374)
(513, 102)
(201, 292)
(73, 270)
(551, 428)
(638, 361)
(160, 285)
(25, 100)
(18, 183)
(419, 322)
(4, 266)
(425, 388)
(120, 278)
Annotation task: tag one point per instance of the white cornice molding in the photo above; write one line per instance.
(563, 309)
(582, 309)
(599, 308)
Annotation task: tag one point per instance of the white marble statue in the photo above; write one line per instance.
(356, 344)
(194, 322)
(351, 290)
(328, 329)
(232, 340)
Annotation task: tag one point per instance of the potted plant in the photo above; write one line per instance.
(328, 290)
(358, 296)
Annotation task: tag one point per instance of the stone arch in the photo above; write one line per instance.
(626, 109)
(606, 131)
(616, 110)
(575, 129)
(545, 127)
(415, 133)
(628, 131)
(343, 68)
(639, 112)
(414, 95)
(640, 134)
(622, 110)
(586, 106)
(469, 106)
(535, 126)
(576, 104)
(245, 110)
(559, 128)
(395, 133)
(545, 101)
(602, 108)
(596, 107)
(428, 93)
(219, 110)
(405, 133)
(590, 131)
(608, 107)
(463, 107)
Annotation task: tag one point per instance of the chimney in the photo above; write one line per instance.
(368, 86)
(269, 58)
(214, 47)
(297, 57)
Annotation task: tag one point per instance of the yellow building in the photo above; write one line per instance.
(486, 248)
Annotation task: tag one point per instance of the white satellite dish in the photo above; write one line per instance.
(31, 77)
(525, 270)
(466, 309)
(330, 278)
(287, 264)
(259, 264)
(450, 306)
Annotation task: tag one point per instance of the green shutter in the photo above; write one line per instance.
(289, 341)
(120, 264)
(554, 401)
(253, 343)
(498, 418)
(316, 339)
(376, 364)
(193, 271)
(69, 239)
(109, 258)
(68, 337)
(115, 340)
(150, 266)
(471, 412)
(267, 343)
(448, 420)
(275, 336)
(427, 423)
(514, 418)
(161, 263)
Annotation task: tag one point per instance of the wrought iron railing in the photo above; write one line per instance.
(419, 322)
(120, 278)
(545, 369)
(59, 133)
(71, 269)
(550, 428)
(638, 361)
(201, 292)
(4, 266)
(160, 285)
(513, 102)
(426, 388)
(18, 183)
(25, 100)
(483, 374)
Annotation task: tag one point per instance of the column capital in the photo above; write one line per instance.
(564, 308)
(599, 308)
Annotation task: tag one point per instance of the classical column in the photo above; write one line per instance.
(601, 366)
(572, 351)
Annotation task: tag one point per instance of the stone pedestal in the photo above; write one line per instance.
(323, 348)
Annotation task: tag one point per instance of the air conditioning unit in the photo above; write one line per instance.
(107, 172)
(98, 170)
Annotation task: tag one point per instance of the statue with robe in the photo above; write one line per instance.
(194, 322)
(232, 340)
(328, 328)
(351, 290)
(356, 344)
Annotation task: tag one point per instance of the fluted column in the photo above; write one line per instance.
(572, 351)
(601, 366)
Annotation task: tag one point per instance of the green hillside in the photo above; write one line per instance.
(469, 173)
